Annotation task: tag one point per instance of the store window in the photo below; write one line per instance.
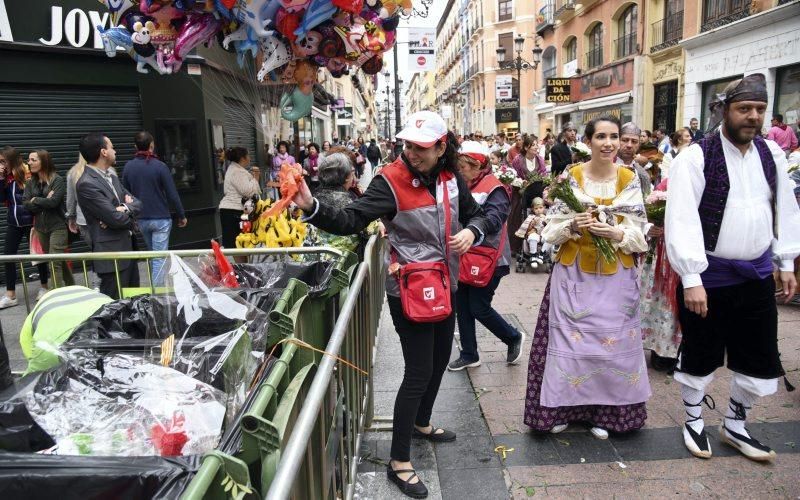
(710, 91)
(594, 57)
(505, 10)
(626, 43)
(176, 144)
(787, 95)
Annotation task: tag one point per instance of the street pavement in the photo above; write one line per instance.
(486, 406)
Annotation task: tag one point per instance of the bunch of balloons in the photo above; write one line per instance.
(291, 38)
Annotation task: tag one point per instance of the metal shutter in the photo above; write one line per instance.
(55, 117)
(240, 125)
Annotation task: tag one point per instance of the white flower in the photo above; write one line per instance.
(517, 182)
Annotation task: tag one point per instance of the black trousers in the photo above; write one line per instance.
(128, 277)
(426, 352)
(14, 237)
(229, 220)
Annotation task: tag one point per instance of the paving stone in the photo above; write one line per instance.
(463, 423)
(422, 454)
(473, 484)
(376, 486)
(384, 402)
(650, 444)
(467, 452)
(529, 449)
(582, 447)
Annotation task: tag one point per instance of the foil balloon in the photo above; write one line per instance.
(137, 44)
(250, 14)
(286, 23)
(294, 5)
(116, 8)
(354, 6)
(198, 28)
(317, 13)
(275, 53)
(301, 99)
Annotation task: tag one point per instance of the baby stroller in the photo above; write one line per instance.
(535, 254)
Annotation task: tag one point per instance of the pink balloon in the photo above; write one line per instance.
(198, 28)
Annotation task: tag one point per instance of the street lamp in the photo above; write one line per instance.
(519, 64)
(386, 75)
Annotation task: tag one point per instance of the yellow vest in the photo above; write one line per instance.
(590, 260)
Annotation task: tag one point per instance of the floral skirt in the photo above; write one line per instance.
(619, 418)
(661, 331)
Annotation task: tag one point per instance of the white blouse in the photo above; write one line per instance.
(747, 230)
(558, 229)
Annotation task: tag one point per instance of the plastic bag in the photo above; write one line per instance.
(316, 274)
(121, 405)
(18, 430)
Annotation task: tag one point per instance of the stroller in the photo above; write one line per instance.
(538, 257)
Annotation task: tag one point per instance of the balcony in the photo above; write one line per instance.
(594, 58)
(545, 19)
(564, 9)
(549, 72)
(667, 32)
(718, 13)
(625, 46)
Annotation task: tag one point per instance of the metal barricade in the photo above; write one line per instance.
(83, 260)
(328, 431)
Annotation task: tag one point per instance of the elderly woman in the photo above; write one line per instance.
(336, 178)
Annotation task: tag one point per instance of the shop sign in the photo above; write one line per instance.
(505, 115)
(345, 113)
(421, 49)
(503, 88)
(558, 90)
(74, 27)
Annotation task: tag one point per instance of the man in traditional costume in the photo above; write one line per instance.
(731, 211)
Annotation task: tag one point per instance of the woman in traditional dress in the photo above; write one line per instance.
(661, 331)
(586, 362)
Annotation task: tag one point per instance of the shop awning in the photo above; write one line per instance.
(602, 102)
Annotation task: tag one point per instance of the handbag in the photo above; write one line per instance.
(35, 245)
(478, 264)
(425, 286)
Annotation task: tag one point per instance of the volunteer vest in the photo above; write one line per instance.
(718, 184)
(590, 261)
(481, 193)
(417, 232)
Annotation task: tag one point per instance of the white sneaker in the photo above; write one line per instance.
(7, 301)
(599, 433)
(41, 293)
(558, 429)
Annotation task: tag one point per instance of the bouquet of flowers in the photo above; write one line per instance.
(656, 207)
(533, 178)
(560, 189)
(505, 174)
(581, 151)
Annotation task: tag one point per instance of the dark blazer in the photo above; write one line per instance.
(560, 157)
(99, 204)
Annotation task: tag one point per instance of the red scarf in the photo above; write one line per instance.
(146, 155)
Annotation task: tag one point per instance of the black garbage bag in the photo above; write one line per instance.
(157, 317)
(33, 476)
(6, 379)
(262, 298)
(316, 274)
(18, 430)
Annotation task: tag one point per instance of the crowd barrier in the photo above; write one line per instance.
(300, 430)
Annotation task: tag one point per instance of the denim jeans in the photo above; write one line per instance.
(156, 237)
(474, 303)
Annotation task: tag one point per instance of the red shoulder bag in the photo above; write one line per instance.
(478, 264)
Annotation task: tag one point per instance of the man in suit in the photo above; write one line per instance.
(110, 211)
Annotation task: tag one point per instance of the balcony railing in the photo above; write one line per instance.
(594, 58)
(562, 7)
(718, 13)
(546, 20)
(625, 46)
(667, 32)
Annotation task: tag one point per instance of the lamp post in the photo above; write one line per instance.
(518, 63)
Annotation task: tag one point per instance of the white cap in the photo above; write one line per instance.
(475, 150)
(424, 128)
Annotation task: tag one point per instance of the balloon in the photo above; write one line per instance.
(318, 12)
(354, 6)
(286, 23)
(392, 7)
(116, 8)
(294, 5)
(137, 44)
(275, 53)
(308, 45)
(250, 13)
(198, 28)
(301, 104)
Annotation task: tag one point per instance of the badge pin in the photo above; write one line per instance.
(415, 183)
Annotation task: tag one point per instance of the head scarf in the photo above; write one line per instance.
(750, 88)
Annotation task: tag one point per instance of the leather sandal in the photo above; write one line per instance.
(413, 490)
(437, 437)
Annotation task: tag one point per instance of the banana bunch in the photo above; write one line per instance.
(278, 231)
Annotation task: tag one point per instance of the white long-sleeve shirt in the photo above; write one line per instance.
(747, 227)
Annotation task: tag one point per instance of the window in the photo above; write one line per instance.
(720, 12)
(506, 41)
(594, 57)
(571, 50)
(626, 43)
(176, 144)
(787, 90)
(550, 62)
(505, 10)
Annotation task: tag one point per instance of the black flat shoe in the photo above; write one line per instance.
(442, 437)
(413, 490)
